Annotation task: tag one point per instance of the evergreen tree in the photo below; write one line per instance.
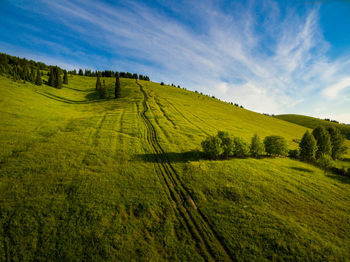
(58, 79)
(52, 77)
(103, 90)
(256, 146)
(32, 75)
(38, 80)
(65, 77)
(117, 87)
(323, 139)
(81, 73)
(98, 82)
(308, 147)
(337, 141)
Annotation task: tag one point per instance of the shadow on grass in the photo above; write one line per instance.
(91, 98)
(79, 90)
(183, 157)
(301, 169)
(346, 159)
(343, 179)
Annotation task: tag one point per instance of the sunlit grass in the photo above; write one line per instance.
(78, 180)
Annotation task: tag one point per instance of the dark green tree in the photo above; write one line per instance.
(256, 146)
(241, 148)
(117, 90)
(275, 145)
(52, 77)
(81, 73)
(65, 77)
(308, 147)
(337, 142)
(38, 80)
(98, 82)
(32, 75)
(58, 79)
(227, 144)
(212, 147)
(103, 90)
(323, 139)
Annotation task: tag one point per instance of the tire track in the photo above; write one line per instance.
(207, 241)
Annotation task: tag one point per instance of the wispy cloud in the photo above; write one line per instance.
(276, 62)
(333, 91)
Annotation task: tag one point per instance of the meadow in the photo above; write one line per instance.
(83, 178)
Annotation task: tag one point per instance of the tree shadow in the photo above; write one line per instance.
(346, 159)
(175, 157)
(341, 178)
(301, 169)
(79, 90)
(92, 96)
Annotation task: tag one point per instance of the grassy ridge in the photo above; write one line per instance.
(312, 122)
(79, 179)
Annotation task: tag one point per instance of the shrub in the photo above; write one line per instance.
(325, 162)
(308, 147)
(241, 148)
(323, 139)
(337, 142)
(256, 146)
(212, 147)
(275, 145)
(294, 153)
(227, 143)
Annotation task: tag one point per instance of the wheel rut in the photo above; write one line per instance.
(207, 241)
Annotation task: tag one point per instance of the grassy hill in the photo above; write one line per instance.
(312, 122)
(88, 179)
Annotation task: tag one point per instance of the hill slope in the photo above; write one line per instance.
(89, 179)
(312, 122)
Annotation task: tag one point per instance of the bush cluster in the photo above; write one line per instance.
(223, 145)
(321, 143)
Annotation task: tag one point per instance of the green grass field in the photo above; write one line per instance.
(312, 122)
(88, 179)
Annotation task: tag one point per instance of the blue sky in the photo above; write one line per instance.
(270, 56)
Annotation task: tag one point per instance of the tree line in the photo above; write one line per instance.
(109, 73)
(223, 145)
(320, 147)
(102, 89)
(22, 69)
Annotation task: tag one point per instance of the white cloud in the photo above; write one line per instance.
(333, 91)
(277, 64)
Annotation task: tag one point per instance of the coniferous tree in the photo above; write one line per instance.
(58, 79)
(324, 146)
(38, 80)
(337, 141)
(117, 87)
(32, 75)
(103, 90)
(52, 77)
(98, 82)
(308, 147)
(65, 77)
(81, 73)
